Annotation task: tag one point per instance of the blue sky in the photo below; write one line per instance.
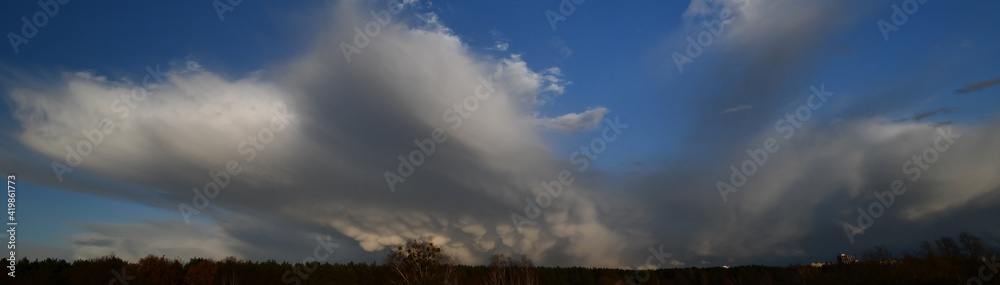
(655, 185)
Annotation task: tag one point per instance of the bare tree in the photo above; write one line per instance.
(528, 272)
(879, 254)
(927, 250)
(420, 262)
(505, 271)
(948, 248)
(499, 270)
(972, 245)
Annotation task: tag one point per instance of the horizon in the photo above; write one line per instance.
(598, 134)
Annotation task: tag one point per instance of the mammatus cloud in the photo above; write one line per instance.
(977, 86)
(575, 122)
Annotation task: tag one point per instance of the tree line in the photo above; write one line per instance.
(965, 260)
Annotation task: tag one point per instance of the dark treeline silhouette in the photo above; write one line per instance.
(966, 260)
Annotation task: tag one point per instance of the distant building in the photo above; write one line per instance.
(844, 258)
(818, 264)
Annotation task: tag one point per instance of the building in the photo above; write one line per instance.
(844, 258)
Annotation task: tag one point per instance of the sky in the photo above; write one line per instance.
(599, 133)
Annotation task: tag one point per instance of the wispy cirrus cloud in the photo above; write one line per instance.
(736, 109)
(935, 112)
(977, 86)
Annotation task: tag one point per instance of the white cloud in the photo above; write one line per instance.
(160, 238)
(560, 46)
(501, 46)
(325, 172)
(530, 88)
(574, 122)
(323, 175)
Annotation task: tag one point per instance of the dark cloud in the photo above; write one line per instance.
(793, 208)
(926, 114)
(940, 111)
(977, 86)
